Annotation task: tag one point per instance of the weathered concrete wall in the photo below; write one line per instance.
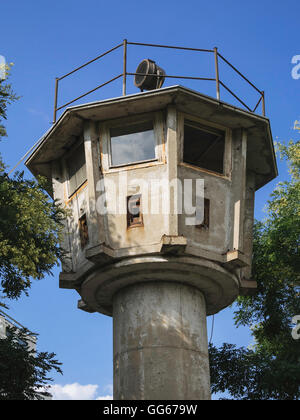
(77, 206)
(249, 222)
(238, 188)
(216, 238)
(226, 193)
(133, 179)
(154, 225)
(160, 343)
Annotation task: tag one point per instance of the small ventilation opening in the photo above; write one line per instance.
(205, 223)
(134, 212)
(83, 231)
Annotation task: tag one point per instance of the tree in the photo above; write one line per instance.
(30, 223)
(271, 369)
(30, 228)
(24, 372)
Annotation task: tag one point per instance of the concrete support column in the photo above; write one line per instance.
(160, 343)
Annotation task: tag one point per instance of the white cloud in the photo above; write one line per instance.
(105, 397)
(77, 391)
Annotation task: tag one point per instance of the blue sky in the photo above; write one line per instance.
(47, 39)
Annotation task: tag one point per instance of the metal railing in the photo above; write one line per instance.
(124, 74)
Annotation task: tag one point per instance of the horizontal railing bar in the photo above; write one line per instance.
(257, 104)
(124, 74)
(91, 91)
(236, 97)
(89, 62)
(235, 69)
(169, 46)
(173, 77)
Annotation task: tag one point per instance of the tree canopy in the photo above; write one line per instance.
(271, 368)
(30, 223)
(30, 228)
(24, 372)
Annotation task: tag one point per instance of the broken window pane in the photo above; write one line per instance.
(133, 143)
(77, 169)
(204, 146)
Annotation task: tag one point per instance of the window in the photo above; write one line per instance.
(132, 143)
(134, 213)
(83, 231)
(76, 169)
(205, 223)
(204, 146)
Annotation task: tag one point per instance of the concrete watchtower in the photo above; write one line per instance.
(125, 168)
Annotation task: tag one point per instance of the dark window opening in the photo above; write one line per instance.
(134, 213)
(204, 146)
(132, 143)
(76, 169)
(205, 223)
(83, 231)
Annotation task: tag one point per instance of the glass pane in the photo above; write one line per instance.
(131, 144)
(204, 146)
(81, 169)
(77, 169)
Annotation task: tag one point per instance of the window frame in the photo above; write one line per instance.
(83, 228)
(140, 222)
(227, 158)
(206, 215)
(72, 151)
(159, 146)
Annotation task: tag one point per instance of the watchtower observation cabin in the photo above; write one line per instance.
(157, 273)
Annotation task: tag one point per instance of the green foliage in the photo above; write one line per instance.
(24, 372)
(246, 374)
(7, 96)
(30, 226)
(30, 223)
(30, 229)
(275, 373)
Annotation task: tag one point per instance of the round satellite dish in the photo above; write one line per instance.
(149, 75)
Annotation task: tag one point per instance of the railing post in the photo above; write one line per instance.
(263, 103)
(55, 100)
(124, 65)
(217, 72)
